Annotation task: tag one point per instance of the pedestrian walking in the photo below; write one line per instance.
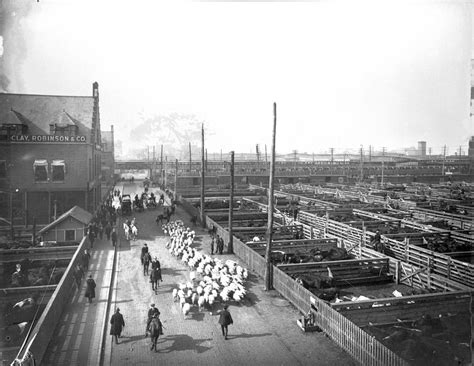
(151, 312)
(225, 319)
(144, 251)
(146, 263)
(155, 263)
(155, 277)
(212, 246)
(220, 245)
(114, 237)
(90, 290)
(78, 273)
(101, 230)
(116, 325)
(108, 230)
(91, 236)
(85, 260)
(156, 329)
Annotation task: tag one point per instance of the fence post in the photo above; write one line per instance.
(397, 272)
(449, 267)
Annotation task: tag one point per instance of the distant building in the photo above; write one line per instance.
(50, 152)
(69, 227)
(471, 148)
(422, 148)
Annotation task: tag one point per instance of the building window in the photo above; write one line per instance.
(59, 170)
(70, 235)
(41, 170)
(3, 169)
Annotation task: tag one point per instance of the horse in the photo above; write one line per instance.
(134, 232)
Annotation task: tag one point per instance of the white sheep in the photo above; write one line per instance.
(194, 298)
(175, 294)
(186, 309)
(201, 302)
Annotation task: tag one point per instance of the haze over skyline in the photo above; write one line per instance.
(342, 74)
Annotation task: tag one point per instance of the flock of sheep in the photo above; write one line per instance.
(211, 279)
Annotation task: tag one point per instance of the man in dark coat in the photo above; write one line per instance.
(108, 230)
(155, 263)
(85, 260)
(146, 263)
(224, 320)
(155, 328)
(114, 237)
(144, 251)
(90, 290)
(151, 312)
(155, 276)
(91, 235)
(116, 325)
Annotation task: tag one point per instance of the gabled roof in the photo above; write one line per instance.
(65, 119)
(14, 117)
(43, 110)
(76, 212)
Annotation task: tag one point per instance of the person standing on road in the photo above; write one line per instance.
(151, 312)
(225, 319)
(116, 325)
(146, 263)
(155, 276)
(91, 235)
(90, 290)
(114, 237)
(155, 328)
(85, 260)
(144, 251)
(108, 230)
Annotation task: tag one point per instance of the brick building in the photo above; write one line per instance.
(50, 155)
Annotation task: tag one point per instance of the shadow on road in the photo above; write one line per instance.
(182, 342)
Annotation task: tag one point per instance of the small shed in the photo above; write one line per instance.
(69, 227)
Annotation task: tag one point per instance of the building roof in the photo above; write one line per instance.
(43, 110)
(76, 212)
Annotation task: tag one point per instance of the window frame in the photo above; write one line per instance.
(66, 234)
(40, 163)
(58, 163)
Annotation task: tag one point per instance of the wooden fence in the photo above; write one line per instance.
(363, 347)
(433, 262)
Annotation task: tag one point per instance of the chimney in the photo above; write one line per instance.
(95, 89)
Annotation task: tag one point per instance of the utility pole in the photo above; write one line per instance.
(383, 162)
(332, 160)
(164, 170)
(444, 160)
(153, 164)
(176, 180)
(206, 160)
(370, 152)
(269, 235)
(266, 159)
(190, 158)
(203, 221)
(230, 246)
(460, 150)
(161, 167)
(148, 153)
(361, 178)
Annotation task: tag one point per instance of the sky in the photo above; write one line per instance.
(343, 73)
